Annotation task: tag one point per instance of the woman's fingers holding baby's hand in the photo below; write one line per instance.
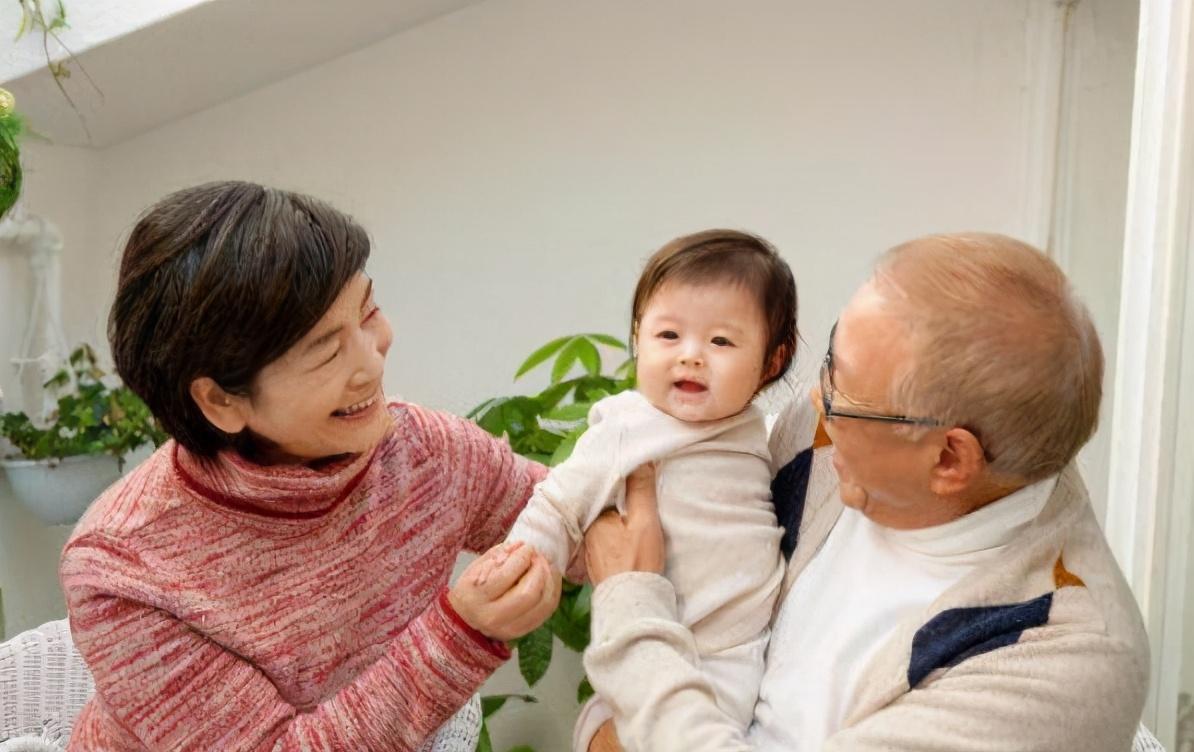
(533, 599)
(486, 579)
(500, 567)
(507, 592)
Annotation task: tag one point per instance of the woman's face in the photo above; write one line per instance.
(324, 396)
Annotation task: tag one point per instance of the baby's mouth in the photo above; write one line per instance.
(690, 386)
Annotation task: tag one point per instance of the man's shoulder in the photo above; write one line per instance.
(1058, 591)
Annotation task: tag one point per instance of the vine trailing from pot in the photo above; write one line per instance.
(544, 427)
(35, 20)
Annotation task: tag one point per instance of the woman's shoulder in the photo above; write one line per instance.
(428, 432)
(141, 496)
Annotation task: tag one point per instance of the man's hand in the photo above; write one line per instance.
(506, 592)
(606, 739)
(634, 543)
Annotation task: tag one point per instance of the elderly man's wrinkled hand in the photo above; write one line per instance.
(606, 739)
(632, 543)
(506, 592)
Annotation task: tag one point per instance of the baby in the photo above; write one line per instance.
(714, 321)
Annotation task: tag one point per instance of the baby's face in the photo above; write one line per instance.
(700, 350)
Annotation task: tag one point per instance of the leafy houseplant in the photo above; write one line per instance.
(544, 427)
(61, 468)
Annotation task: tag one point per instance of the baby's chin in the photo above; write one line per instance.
(706, 413)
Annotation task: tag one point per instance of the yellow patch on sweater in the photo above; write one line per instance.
(1063, 577)
(821, 438)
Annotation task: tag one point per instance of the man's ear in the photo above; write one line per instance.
(227, 412)
(960, 463)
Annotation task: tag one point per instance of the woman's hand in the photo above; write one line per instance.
(634, 543)
(506, 592)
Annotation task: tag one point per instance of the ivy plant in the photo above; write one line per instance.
(91, 418)
(544, 427)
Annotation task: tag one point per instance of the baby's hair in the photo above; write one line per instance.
(734, 257)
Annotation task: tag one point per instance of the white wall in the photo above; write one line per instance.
(1096, 123)
(516, 161)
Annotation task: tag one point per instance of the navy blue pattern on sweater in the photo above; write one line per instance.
(788, 491)
(956, 634)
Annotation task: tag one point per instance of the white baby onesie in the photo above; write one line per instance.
(713, 483)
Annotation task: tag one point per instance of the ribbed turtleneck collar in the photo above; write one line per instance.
(282, 491)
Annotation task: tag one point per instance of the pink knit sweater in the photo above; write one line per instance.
(223, 605)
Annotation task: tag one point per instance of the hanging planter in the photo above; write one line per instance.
(63, 467)
(59, 491)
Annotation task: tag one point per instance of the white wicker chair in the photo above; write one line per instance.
(44, 685)
(1145, 741)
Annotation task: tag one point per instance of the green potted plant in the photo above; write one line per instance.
(60, 469)
(545, 427)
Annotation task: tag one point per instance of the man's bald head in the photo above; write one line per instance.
(999, 344)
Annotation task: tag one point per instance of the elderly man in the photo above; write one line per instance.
(948, 586)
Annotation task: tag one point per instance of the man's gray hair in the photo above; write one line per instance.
(1000, 346)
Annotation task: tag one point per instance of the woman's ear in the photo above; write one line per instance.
(227, 412)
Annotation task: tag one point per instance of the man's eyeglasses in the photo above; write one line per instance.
(827, 393)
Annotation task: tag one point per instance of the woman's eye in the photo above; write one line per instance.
(722, 342)
(668, 334)
(329, 360)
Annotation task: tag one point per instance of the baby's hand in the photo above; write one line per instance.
(506, 592)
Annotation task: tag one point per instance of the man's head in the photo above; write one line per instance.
(971, 370)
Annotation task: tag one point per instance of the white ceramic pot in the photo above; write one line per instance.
(59, 491)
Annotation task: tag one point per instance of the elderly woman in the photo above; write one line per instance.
(276, 575)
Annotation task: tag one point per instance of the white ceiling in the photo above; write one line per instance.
(197, 57)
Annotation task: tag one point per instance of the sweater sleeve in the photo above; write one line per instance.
(644, 663)
(172, 688)
(1070, 692)
(489, 481)
(1054, 690)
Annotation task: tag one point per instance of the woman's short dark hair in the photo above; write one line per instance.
(220, 280)
(738, 258)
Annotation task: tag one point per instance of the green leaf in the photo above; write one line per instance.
(58, 380)
(483, 742)
(551, 396)
(521, 748)
(574, 634)
(511, 416)
(606, 339)
(491, 704)
(540, 355)
(479, 409)
(587, 353)
(565, 359)
(574, 411)
(534, 655)
(584, 691)
(582, 607)
(564, 450)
